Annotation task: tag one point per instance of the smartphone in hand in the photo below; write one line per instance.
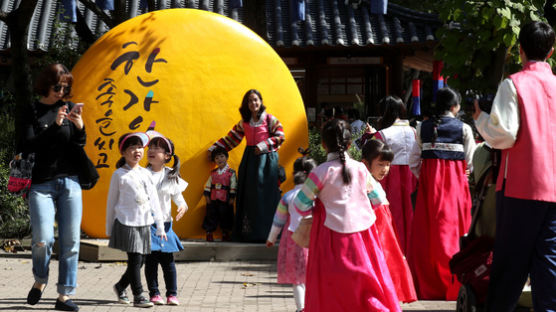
(76, 109)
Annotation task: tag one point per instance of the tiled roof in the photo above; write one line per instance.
(332, 23)
(328, 23)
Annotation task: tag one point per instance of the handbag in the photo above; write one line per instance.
(302, 234)
(88, 174)
(21, 171)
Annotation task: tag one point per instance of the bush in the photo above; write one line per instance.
(14, 216)
(318, 153)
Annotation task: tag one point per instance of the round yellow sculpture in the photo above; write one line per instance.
(188, 71)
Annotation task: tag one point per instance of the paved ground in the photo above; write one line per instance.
(202, 287)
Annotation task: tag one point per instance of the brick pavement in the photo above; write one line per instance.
(202, 287)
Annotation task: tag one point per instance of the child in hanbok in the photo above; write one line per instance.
(378, 156)
(443, 207)
(401, 180)
(292, 259)
(346, 269)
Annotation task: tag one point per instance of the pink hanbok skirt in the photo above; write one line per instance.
(442, 216)
(292, 259)
(398, 185)
(347, 272)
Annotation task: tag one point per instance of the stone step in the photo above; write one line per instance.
(194, 250)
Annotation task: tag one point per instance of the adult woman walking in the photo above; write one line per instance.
(53, 130)
(258, 192)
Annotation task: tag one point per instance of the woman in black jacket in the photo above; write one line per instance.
(53, 130)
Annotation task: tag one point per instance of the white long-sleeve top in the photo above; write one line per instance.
(469, 144)
(500, 128)
(168, 191)
(133, 200)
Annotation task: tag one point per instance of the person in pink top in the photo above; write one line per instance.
(346, 270)
(257, 187)
(522, 124)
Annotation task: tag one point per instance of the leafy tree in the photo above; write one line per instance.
(479, 41)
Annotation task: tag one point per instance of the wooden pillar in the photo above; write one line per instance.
(396, 75)
(311, 84)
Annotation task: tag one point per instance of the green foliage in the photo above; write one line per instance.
(14, 219)
(318, 153)
(479, 42)
(61, 48)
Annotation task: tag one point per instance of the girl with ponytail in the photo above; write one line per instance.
(443, 207)
(170, 186)
(346, 270)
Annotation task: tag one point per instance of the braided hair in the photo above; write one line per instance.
(446, 98)
(336, 135)
(302, 166)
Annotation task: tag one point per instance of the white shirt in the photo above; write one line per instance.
(133, 200)
(401, 138)
(168, 191)
(500, 128)
(469, 144)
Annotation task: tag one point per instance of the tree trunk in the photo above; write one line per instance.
(496, 74)
(18, 25)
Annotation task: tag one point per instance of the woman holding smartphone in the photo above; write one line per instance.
(52, 130)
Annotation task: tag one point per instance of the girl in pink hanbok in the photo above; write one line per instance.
(292, 259)
(346, 270)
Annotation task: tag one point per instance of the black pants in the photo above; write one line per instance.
(219, 213)
(525, 245)
(166, 260)
(132, 275)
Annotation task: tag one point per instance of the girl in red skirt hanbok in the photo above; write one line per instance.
(443, 208)
(292, 259)
(401, 181)
(346, 270)
(377, 157)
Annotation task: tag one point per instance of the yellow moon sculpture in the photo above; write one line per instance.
(187, 70)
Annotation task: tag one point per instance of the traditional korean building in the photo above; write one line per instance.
(342, 54)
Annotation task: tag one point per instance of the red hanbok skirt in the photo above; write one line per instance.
(292, 259)
(347, 272)
(442, 215)
(397, 264)
(398, 185)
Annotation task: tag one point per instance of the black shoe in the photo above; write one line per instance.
(122, 296)
(142, 302)
(34, 295)
(66, 306)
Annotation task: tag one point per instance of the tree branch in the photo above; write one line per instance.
(107, 19)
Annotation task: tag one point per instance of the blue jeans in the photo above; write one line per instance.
(58, 199)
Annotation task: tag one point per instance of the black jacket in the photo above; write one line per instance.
(54, 146)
